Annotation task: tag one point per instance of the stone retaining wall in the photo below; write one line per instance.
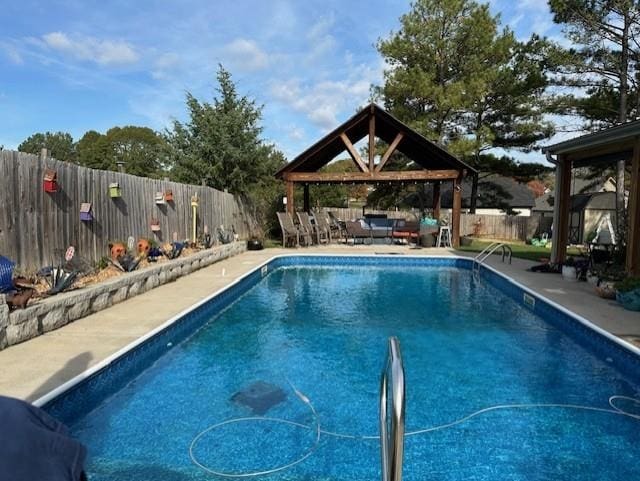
(55, 312)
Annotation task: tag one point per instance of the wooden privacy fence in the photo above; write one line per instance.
(504, 227)
(35, 226)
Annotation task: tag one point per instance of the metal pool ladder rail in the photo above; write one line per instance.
(392, 443)
(486, 252)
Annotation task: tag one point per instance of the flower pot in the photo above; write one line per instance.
(593, 279)
(569, 273)
(630, 300)
(254, 245)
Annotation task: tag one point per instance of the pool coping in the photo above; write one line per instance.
(103, 364)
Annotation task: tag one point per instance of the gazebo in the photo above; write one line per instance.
(621, 142)
(433, 164)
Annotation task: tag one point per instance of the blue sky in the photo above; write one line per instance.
(78, 65)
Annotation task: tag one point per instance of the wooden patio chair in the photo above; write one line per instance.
(289, 229)
(305, 222)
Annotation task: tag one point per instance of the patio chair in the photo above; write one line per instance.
(290, 231)
(305, 222)
(322, 223)
(338, 229)
(6, 275)
(356, 230)
(406, 230)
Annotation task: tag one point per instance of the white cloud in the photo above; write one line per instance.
(102, 52)
(12, 53)
(320, 40)
(325, 101)
(245, 55)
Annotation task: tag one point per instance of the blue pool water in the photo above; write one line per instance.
(324, 330)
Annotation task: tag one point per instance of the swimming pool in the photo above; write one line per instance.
(499, 385)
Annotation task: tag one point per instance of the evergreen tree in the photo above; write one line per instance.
(220, 144)
(59, 145)
(461, 82)
(603, 65)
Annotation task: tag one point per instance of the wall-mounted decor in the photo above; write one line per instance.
(86, 214)
(50, 181)
(114, 190)
(155, 225)
(160, 198)
(168, 195)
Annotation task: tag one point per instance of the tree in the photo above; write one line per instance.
(93, 151)
(604, 66)
(139, 149)
(461, 82)
(59, 145)
(220, 145)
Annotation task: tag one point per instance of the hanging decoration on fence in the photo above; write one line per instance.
(155, 225)
(160, 198)
(50, 181)
(168, 195)
(115, 191)
(86, 213)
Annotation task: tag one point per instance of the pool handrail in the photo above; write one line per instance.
(487, 251)
(392, 444)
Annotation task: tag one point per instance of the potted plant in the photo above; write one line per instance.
(593, 277)
(569, 271)
(628, 293)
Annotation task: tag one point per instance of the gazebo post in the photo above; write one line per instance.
(290, 206)
(436, 200)
(633, 230)
(455, 213)
(306, 199)
(560, 235)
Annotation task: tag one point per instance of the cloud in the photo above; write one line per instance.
(245, 55)
(102, 52)
(12, 53)
(320, 40)
(324, 101)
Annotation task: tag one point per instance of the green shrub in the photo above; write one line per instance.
(628, 284)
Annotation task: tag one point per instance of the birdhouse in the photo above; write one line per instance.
(86, 213)
(194, 201)
(155, 225)
(168, 195)
(114, 190)
(50, 181)
(160, 198)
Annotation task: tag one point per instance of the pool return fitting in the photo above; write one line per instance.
(392, 441)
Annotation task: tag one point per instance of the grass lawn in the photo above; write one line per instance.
(520, 250)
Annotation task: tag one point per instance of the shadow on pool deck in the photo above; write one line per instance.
(72, 368)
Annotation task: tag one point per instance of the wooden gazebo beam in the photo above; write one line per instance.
(562, 204)
(371, 177)
(632, 264)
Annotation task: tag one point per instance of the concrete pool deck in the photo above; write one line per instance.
(35, 367)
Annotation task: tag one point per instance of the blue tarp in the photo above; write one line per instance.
(34, 446)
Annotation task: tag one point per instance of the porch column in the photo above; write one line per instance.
(455, 213)
(290, 207)
(632, 263)
(436, 200)
(306, 202)
(561, 206)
